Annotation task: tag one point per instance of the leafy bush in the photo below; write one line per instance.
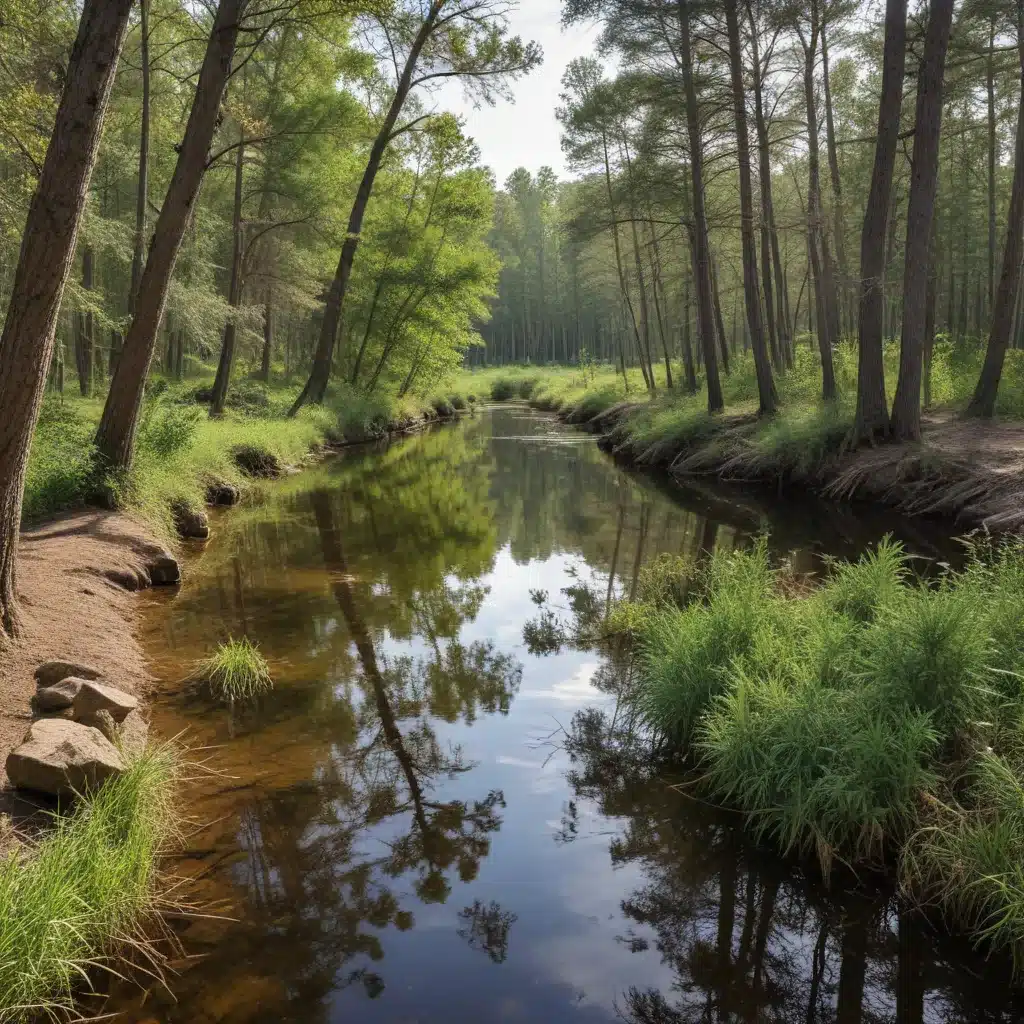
(502, 390)
(60, 465)
(167, 430)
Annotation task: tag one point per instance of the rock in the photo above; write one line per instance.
(133, 733)
(164, 570)
(51, 672)
(93, 697)
(126, 579)
(222, 494)
(62, 758)
(129, 737)
(59, 696)
(190, 522)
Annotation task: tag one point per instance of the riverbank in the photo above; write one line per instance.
(873, 720)
(186, 460)
(969, 470)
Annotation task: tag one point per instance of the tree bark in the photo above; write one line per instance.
(227, 349)
(85, 333)
(751, 294)
(716, 297)
(705, 314)
(774, 304)
(115, 439)
(824, 283)
(838, 227)
(992, 156)
(906, 409)
(142, 194)
(315, 389)
(268, 338)
(44, 263)
(983, 402)
(872, 407)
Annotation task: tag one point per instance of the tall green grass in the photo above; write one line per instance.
(71, 902)
(875, 718)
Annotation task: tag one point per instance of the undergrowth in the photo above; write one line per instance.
(86, 890)
(875, 718)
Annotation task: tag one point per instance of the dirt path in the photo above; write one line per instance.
(76, 575)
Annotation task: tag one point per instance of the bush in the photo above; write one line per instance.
(443, 407)
(457, 402)
(167, 430)
(502, 390)
(60, 465)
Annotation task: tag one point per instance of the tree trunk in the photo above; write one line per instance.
(992, 156)
(705, 314)
(872, 407)
(656, 288)
(716, 296)
(115, 439)
(315, 389)
(44, 263)
(906, 409)
(817, 254)
(983, 402)
(774, 306)
(688, 367)
(268, 338)
(142, 195)
(85, 335)
(227, 349)
(751, 294)
(838, 227)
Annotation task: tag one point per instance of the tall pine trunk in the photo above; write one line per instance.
(227, 349)
(44, 263)
(115, 439)
(268, 337)
(906, 408)
(983, 402)
(990, 84)
(142, 193)
(838, 226)
(751, 293)
(702, 260)
(872, 407)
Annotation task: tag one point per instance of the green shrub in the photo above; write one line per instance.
(443, 407)
(859, 589)
(86, 889)
(166, 429)
(502, 390)
(235, 671)
(457, 402)
(60, 465)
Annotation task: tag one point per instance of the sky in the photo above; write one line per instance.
(525, 133)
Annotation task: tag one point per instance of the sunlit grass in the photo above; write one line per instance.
(73, 900)
(235, 671)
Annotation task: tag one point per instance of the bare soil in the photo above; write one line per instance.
(76, 574)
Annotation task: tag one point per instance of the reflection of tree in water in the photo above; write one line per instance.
(486, 927)
(747, 937)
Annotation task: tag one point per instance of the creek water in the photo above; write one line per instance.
(426, 819)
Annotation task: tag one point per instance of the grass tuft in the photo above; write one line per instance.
(235, 671)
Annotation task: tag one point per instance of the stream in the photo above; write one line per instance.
(426, 820)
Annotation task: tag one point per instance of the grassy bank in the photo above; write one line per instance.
(874, 720)
(181, 451)
(71, 902)
(960, 469)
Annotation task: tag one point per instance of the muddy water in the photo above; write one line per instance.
(424, 821)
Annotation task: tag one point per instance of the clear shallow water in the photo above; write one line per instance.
(398, 832)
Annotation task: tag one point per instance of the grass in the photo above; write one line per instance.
(873, 719)
(235, 671)
(181, 452)
(73, 900)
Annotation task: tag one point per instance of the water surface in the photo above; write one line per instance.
(426, 821)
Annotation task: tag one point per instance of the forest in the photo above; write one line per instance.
(236, 235)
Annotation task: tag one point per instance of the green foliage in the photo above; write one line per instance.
(60, 462)
(235, 671)
(87, 888)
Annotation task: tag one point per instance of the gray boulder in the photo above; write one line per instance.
(62, 758)
(93, 697)
(51, 672)
(59, 696)
(129, 736)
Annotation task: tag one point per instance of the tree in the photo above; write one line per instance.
(872, 406)
(751, 291)
(115, 438)
(906, 409)
(462, 39)
(47, 250)
(983, 401)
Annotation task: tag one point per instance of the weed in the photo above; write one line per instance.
(235, 671)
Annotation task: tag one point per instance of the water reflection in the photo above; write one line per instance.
(399, 832)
